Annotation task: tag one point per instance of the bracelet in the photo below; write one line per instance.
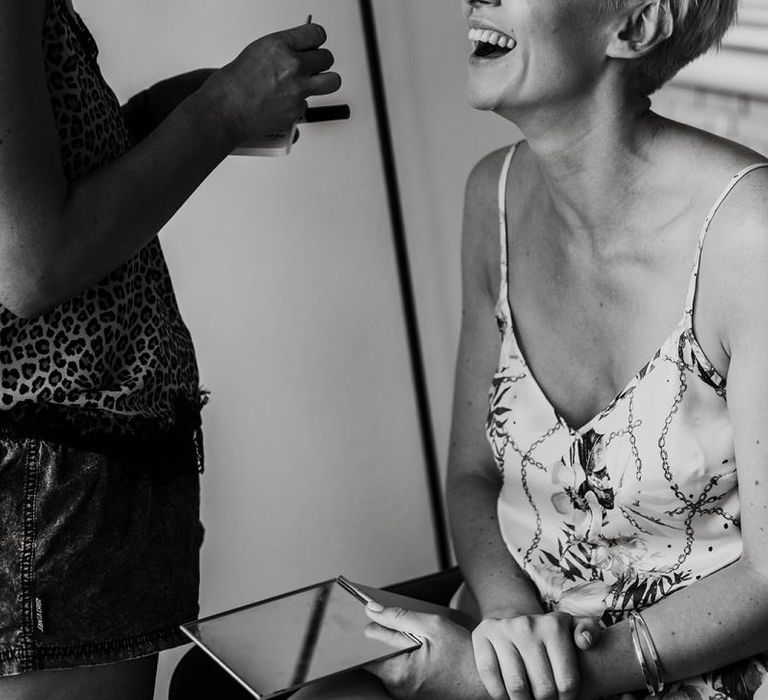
(645, 648)
(653, 673)
(640, 656)
(656, 661)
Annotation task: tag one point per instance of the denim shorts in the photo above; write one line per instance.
(99, 558)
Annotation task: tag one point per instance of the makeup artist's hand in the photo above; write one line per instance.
(265, 88)
(443, 668)
(533, 656)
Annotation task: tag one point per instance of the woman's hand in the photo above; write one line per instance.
(443, 668)
(265, 88)
(532, 656)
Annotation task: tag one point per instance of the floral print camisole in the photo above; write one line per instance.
(641, 501)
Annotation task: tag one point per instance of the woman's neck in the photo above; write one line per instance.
(593, 158)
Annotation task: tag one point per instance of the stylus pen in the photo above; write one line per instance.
(365, 598)
(354, 590)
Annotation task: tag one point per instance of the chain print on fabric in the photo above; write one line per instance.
(496, 419)
(702, 500)
(610, 437)
(689, 506)
(525, 461)
(695, 359)
(689, 533)
(723, 514)
(632, 520)
(527, 456)
(537, 533)
(632, 426)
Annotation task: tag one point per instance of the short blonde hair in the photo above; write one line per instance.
(698, 26)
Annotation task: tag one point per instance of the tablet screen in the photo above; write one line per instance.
(286, 642)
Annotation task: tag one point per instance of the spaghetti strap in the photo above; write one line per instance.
(693, 284)
(503, 178)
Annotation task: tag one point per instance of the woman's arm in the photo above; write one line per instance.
(145, 111)
(724, 617)
(58, 238)
(499, 585)
(712, 623)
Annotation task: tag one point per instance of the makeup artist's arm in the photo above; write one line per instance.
(501, 588)
(145, 111)
(58, 237)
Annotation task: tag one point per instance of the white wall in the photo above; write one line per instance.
(438, 139)
(286, 276)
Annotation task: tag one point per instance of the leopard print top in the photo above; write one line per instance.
(115, 363)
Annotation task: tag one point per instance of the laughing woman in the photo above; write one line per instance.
(615, 296)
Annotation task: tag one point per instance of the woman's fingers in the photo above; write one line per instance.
(586, 632)
(565, 666)
(402, 620)
(541, 678)
(390, 637)
(516, 680)
(488, 668)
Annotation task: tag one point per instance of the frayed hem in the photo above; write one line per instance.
(17, 659)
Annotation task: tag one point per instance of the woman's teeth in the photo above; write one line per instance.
(489, 42)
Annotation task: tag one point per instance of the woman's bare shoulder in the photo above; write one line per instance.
(737, 237)
(481, 234)
(723, 169)
(739, 227)
(708, 156)
(482, 193)
(484, 178)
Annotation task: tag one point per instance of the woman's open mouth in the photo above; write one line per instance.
(490, 43)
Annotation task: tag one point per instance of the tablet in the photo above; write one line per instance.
(292, 640)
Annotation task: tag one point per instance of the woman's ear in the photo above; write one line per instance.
(642, 28)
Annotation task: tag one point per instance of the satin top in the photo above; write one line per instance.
(639, 502)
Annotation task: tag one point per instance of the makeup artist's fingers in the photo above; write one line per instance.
(316, 60)
(323, 84)
(304, 37)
